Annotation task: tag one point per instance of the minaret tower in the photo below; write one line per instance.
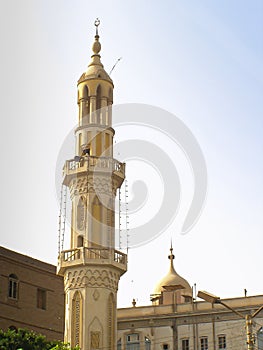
(92, 266)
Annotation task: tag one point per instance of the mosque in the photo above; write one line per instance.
(92, 266)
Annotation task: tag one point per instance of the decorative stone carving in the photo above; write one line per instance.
(94, 340)
(91, 184)
(96, 295)
(92, 278)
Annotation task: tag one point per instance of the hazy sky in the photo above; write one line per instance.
(200, 60)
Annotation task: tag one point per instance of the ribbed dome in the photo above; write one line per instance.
(173, 281)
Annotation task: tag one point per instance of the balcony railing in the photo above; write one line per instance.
(93, 163)
(86, 255)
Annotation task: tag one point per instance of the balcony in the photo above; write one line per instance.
(91, 256)
(75, 167)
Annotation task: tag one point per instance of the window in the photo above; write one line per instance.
(147, 343)
(41, 299)
(13, 286)
(185, 344)
(80, 241)
(204, 343)
(119, 344)
(187, 299)
(133, 342)
(221, 342)
(260, 338)
(165, 346)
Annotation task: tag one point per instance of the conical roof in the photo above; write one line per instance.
(95, 68)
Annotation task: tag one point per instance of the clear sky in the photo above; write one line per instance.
(201, 61)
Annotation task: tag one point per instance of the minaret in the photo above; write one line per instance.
(92, 267)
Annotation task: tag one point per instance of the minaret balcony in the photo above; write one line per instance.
(84, 165)
(91, 256)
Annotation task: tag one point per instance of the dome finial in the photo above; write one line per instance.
(96, 24)
(96, 46)
(171, 256)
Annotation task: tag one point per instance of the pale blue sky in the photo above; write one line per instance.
(202, 61)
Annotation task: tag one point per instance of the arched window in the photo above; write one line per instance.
(13, 286)
(76, 319)
(86, 105)
(80, 242)
(85, 92)
(147, 343)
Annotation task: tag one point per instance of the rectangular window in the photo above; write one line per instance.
(41, 299)
(221, 342)
(185, 344)
(204, 343)
(13, 288)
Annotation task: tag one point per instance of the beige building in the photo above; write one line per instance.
(31, 295)
(176, 321)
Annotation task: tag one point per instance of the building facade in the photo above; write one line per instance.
(31, 295)
(177, 321)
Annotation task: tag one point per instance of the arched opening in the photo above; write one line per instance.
(110, 99)
(86, 103)
(80, 241)
(147, 343)
(98, 103)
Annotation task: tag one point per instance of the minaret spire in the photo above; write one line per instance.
(96, 24)
(171, 257)
(96, 45)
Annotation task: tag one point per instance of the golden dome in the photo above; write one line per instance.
(173, 281)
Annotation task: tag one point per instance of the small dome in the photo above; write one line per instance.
(173, 281)
(95, 68)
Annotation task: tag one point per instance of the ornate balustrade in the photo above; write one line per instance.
(91, 163)
(91, 256)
